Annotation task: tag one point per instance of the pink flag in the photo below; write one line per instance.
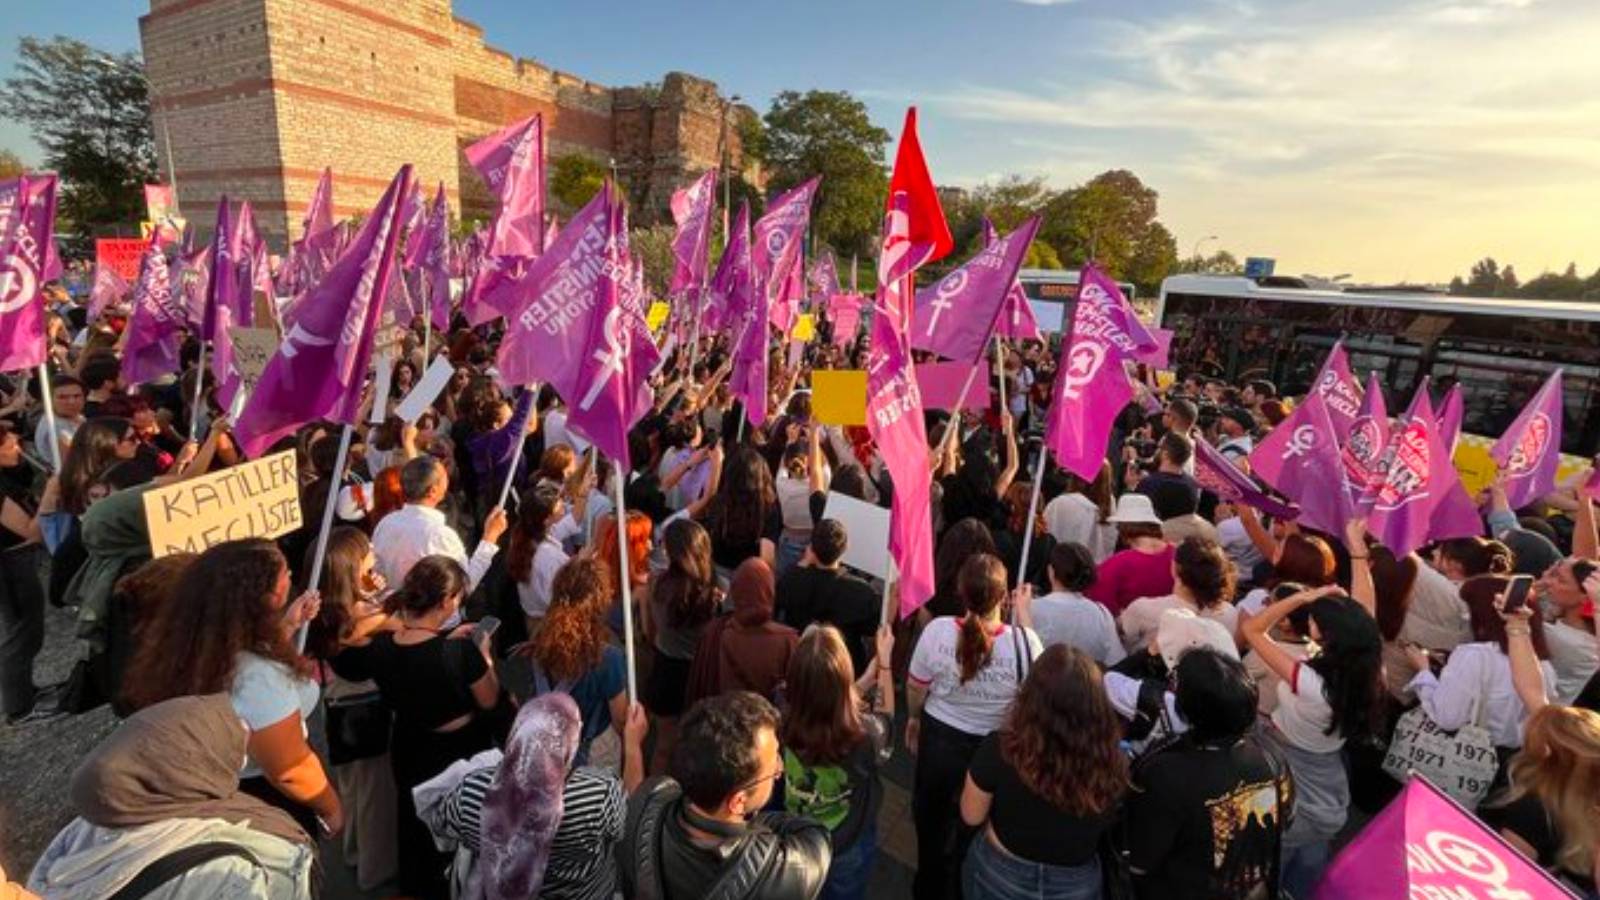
(956, 315)
(844, 311)
(775, 245)
(732, 294)
(1219, 476)
(1364, 445)
(1530, 450)
(27, 260)
(582, 327)
(1451, 412)
(190, 276)
(1016, 315)
(318, 246)
(321, 366)
(914, 233)
(1417, 478)
(691, 212)
(319, 214)
(108, 290)
(512, 162)
(823, 280)
(429, 251)
(1424, 845)
(1301, 459)
(1091, 385)
(1338, 388)
(151, 347)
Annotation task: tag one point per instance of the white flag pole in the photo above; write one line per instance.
(1000, 372)
(332, 504)
(627, 587)
(889, 579)
(1033, 510)
(516, 457)
(199, 387)
(49, 412)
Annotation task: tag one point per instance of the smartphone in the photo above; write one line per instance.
(484, 631)
(1517, 592)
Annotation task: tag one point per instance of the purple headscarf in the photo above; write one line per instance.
(522, 809)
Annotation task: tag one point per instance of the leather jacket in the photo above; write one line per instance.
(776, 857)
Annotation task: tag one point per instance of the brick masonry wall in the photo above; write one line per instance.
(258, 96)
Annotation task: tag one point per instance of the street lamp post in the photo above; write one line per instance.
(1209, 237)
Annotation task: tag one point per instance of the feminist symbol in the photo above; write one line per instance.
(610, 358)
(1302, 440)
(948, 287)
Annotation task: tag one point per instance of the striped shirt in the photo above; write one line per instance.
(582, 865)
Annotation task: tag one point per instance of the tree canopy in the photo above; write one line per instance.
(828, 133)
(90, 111)
(10, 165)
(574, 180)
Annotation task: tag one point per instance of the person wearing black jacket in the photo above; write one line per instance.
(700, 833)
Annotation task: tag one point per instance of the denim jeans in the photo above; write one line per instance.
(993, 874)
(788, 556)
(852, 867)
(1303, 867)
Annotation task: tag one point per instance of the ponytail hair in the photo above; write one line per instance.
(982, 586)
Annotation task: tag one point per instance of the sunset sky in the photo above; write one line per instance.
(1389, 139)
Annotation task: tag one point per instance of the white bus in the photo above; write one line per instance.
(1500, 350)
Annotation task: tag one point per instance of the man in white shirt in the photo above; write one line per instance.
(1569, 634)
(1236, 426)
(67, 397)
(419, 529)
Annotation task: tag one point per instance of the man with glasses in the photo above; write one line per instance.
(701, 833)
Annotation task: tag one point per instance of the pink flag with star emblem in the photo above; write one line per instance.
(1530, 450)
(1091, 385)
(321, 365)
(27, 260)
(914, 233)
(957, 314)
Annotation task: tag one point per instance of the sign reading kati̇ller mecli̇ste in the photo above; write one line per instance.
(260, 498)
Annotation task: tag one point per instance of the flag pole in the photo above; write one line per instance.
(49, 408)
(516, 460)
(328, 509)
(1000, 372)
(199, 387)
(627, 587)
(889, 578)
(1033, 510)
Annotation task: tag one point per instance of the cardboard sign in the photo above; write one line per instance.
(382, 385)
(805, 327)
(260, 498)
(252, 349)
(867, 529)
(426, 390)
(839, 396)
(941, 385)
(158, 201)
(120, 255)
(656, 315)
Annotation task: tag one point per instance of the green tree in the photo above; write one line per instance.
(1508, 282)
(1041, 256)
(1155, 254)
(1009, 201)
(653, 247)
(1107, 219)
(574, 180)
(1219, 263)
(1483, 280)
(10, 165)
(828, 133)
(90, 111)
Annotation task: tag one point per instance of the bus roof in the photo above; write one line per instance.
(1247, 288)
(1063, 276)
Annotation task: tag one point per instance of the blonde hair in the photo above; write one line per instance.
(1560, 766)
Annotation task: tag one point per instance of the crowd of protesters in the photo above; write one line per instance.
(1169, 697)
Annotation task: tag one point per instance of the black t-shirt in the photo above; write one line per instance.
(1028, 825)
(808, 594)
(1589, 697)
(1206, 822)
(1527, 818)
(427, 684)
(729, 551)
(1171, 494)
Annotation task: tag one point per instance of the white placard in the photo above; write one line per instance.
(426, 390)
(867, 533)
(382, 378)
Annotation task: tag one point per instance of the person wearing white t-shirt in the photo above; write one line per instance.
(963, 675)
(1569, 627)
(1202, 583)
(1074, 516)
(1066, 616)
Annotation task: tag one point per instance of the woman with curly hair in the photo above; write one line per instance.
(227, 628)
(572, 652)
(1047, 784)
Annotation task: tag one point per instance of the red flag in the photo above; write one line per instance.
(929, 233)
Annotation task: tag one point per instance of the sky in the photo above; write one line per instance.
(1388, 139)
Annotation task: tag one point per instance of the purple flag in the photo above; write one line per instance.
(1016, 314)
(429, 251)
(732, 293)
(222, 284)
(190, 277)
(1364, 445)
(583, 328)
(512, 162)
(956, 315)
(776, 241)
(151, 348)
(1338, 388)
(745, 314)
(235, 305)
(824, 277)
(1416, 480)
(1451, 412)
(844, 311)
(1091, 385)
(1530, 450)
(319, 215)
(108, 290)
(691, 246)
(321, 366)
(1219, 476)
(1301, 459)
(27, 260)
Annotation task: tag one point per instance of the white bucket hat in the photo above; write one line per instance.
(1134, 509)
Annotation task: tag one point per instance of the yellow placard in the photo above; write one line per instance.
(260, 498)
(1477, 468)
(839, 396)
(1164, 379)
(805, 327)
(656, 315)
